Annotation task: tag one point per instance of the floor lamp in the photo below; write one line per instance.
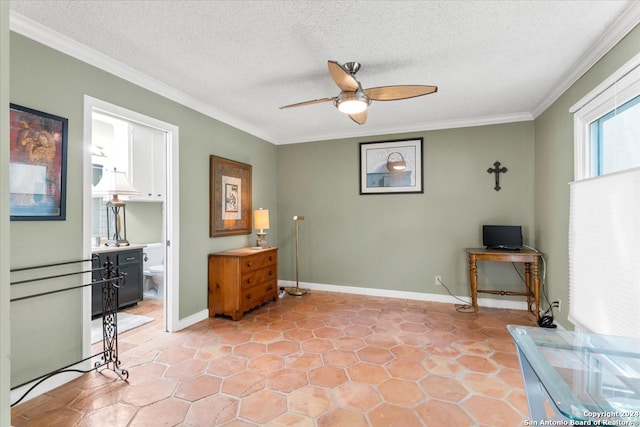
(297, 291)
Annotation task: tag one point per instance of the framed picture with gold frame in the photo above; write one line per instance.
(229, 197)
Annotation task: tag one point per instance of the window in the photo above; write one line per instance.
(604, 227)
(607, 125)
(615, 139)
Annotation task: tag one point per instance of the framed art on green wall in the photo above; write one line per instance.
(229, 197)
(37, 167)
(390, 167)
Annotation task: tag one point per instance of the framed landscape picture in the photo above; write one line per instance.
(37, 165)
(390, 167)
(230, 197)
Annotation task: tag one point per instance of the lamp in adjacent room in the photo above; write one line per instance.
(115, 183)
(261, 223)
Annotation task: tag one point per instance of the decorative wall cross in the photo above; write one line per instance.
(497, 170)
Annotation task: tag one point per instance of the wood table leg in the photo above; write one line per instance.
(536, 287)
(473, 282)
(527, 281)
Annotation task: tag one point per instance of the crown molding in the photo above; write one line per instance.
(417, 127)
(34, 30)
(626, 22)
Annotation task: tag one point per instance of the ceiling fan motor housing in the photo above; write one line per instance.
(351, 67)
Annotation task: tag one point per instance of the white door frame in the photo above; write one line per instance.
(171, 215)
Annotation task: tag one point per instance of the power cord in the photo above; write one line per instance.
(546, 320)
(461, 308)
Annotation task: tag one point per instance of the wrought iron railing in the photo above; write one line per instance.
(111, 281)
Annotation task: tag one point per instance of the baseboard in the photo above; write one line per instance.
(193, 319)
(418, 296)
(387, 293)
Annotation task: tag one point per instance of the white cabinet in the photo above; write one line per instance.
(147, 162)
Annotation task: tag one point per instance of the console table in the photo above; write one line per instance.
(531, 260)
(587, 379)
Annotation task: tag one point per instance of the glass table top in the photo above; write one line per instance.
(590, 377)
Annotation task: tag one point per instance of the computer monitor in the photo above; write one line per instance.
(502, 237)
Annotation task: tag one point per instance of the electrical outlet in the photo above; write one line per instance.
(438, 280)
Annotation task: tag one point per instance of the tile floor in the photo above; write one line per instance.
(323, 359)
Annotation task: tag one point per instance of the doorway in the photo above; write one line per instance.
(164, 138)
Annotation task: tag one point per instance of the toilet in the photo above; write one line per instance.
(153, 270)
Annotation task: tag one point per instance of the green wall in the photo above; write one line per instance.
(554, 169)
(47, 80)
(5, 330)
(401, 241)
(144, 222)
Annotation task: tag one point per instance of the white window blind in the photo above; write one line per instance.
(604, 254)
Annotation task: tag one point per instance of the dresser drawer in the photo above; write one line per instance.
(258, 261)
(256, 295)
(129, 257)
(259, 276)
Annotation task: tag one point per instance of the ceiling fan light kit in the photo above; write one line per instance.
(353, 100)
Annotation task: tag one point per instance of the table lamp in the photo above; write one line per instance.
(113, 184)
(261, 223)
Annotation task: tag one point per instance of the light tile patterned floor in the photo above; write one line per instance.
(323, 359)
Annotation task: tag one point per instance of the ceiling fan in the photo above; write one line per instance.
(353, 100)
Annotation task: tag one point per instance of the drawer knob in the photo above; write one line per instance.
(270, 258)
(249, 280)
(248, 296)
(249, 264)
(270, 287)
(217, 285)
(270, 273)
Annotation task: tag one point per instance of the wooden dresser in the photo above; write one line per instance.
(241, 279)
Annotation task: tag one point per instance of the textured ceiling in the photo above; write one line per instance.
(238, 61)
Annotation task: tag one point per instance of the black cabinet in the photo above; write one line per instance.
(128, 262)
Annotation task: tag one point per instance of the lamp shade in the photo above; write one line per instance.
(261, 219)
(114, 183)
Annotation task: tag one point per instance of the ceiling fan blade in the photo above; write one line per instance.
(345, 81)
(315, 101)
(392, 93)
(359, 118)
